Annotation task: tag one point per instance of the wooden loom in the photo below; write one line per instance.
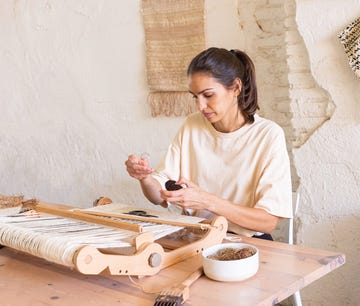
(148, 256)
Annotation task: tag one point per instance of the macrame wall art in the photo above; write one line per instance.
(174, 34)
(350, 38)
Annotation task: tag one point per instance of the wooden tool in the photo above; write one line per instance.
(79, 215)
(143, 256)
(177, 295)
(202, 226)
(149, 257)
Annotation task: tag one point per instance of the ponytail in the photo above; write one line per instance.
(227, 66)
(247, 99)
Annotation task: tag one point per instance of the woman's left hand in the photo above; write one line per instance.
(192, 196)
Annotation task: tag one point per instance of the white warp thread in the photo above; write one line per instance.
(57, 239)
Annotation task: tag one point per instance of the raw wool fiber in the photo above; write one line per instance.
(174, 34)
(350, 38)
(10, 205)
(10, 201)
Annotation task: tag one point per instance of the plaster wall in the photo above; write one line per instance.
(306, 85)
(73, 100)
(73, 106)
(73, 97)
(328, 163)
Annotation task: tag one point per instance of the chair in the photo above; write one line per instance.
(285, 233)
(296, 298)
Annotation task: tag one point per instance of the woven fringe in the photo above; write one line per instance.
(350, 38)
(171, 103)
(174, 34)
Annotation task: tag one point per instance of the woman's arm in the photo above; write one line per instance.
(193, 197)
(140, 169)
(256, 219)
(151, 190)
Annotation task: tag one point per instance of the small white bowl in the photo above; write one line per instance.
(230, 270)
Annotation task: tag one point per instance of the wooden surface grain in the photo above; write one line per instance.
(284, 269)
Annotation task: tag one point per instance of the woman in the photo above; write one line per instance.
(233, 162)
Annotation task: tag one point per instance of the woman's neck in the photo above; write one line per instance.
(230, 124)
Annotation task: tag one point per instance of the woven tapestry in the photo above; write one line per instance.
(350, 38)
(174, 34)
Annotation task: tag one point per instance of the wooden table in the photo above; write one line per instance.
(284, 269)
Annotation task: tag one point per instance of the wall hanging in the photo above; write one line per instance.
(174, 34)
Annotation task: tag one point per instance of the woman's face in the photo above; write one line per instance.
(216, 102)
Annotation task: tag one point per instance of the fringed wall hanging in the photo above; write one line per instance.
(174, 34)
(350, 38)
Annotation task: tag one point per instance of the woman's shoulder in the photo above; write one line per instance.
(264, 128)
(266, 125)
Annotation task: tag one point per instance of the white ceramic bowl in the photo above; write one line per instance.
(230, 270)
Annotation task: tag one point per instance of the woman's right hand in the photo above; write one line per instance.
(137, 167)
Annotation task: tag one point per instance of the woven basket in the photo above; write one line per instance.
(350, 38)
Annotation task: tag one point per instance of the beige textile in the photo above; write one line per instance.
(174, 34)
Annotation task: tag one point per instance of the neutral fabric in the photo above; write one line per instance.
(174, 34)
(249, 167)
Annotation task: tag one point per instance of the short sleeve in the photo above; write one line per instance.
(274, 190)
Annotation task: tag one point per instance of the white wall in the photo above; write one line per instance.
(73, 97)
(73, 100)
(73, 106)
(329, 163)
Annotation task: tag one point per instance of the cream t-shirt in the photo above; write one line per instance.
(248, 167)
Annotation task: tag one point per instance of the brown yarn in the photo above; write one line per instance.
(14, 201)
(232, 254)
(10, 201)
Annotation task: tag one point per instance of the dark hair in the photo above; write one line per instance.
(226, 66)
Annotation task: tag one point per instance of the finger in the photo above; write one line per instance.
(171, 196)
(185, 182)
(145, 163)
(141, 167)
(172, 193)
(133, 162)
(137, 171)
(133, 158)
